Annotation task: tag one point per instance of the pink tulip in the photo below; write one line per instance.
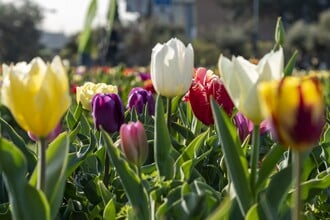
(134, 142)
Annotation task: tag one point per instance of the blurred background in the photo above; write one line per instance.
(113, 32)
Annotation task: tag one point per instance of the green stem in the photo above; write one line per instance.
(41, 183)
(106, 176)
(296, 171)
(255, 155)
(168, 110)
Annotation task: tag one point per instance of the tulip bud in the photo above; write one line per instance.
(296, 109)
(134, 142)
(245, 126)
(138, 98)
(86, 92)
(37, 94)
(279, 32)
(172, 68)
(206, 84)
(108, 112)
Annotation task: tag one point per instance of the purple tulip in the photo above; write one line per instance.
(134, 142)
(108, 112)
(245, 126)
(138, 98)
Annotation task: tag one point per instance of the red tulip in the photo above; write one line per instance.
(206, 84)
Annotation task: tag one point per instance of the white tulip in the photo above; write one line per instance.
(241, 79)
(172, 68)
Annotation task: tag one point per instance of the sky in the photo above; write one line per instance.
(68, 16)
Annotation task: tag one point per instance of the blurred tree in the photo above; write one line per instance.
(289, 10)
(312, 40)
(19, 34)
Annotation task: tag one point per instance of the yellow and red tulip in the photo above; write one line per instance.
(296, 109)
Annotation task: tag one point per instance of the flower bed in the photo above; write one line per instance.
(178, 143)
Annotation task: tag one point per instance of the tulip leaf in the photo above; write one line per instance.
(26, 201)
(275, 195)
(320, 182)
(19, 142)
(184, 131)
(234, 158)
(253, 213)
(268, 164)
(85, 36)
(135, 191)
(109, 212)
(162, 144)
(56, 165)
(291, 64)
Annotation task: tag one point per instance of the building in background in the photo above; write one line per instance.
(179, 13)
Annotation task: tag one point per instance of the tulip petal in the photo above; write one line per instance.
(226, 68)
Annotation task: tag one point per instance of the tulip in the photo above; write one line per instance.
(138, 98)
(206, 84)
(172, 68)
(37, 94)
(296, 109)
(108, 112)
(134, 142)
(241, 79)
(86, 92)
(245, 126)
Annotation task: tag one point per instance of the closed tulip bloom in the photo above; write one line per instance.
(37, 94)
(86, 92)
(134, 142)
(296, 109)
(241, 79)
(108, 112)
(206, 84)
(138, 98)
(245, 126)
(172, 68)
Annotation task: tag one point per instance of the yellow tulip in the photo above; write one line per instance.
(85, 93)
(241, 79)
(37, 94)
(296, 109)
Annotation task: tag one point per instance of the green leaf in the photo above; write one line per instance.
(162, 144)
(85, 36)
(291, 64)
(56, 165)
(253, 213)
(276, 195)
(269, 164)
(135, 191)
(184, 131)
(109, 212)
(223, 211)
(26, 201)
(314, 186)
(19, 142)
(235, 161)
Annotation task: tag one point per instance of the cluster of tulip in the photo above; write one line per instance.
(255, 96)
(293, 105)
